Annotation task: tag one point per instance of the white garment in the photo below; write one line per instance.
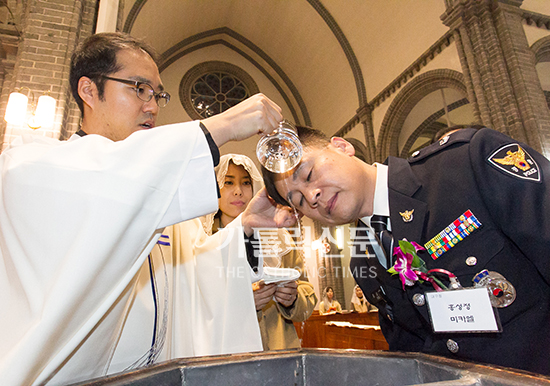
(217, 288)
(77, 221)
(210, 303)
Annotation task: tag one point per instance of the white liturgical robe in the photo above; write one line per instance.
(77, 221)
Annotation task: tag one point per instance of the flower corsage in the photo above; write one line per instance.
(411, 268)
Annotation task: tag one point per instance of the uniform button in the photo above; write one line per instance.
(471, 261)
(443, 140)
(452, 346)
(415, 153)
(419, 300)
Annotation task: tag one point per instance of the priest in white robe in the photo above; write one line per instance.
(78, 219)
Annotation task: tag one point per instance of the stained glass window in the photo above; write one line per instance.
(212, 87)
(215, 92)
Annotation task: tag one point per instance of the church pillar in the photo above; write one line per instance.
(365, 118)
(499, 69)
(9, 40)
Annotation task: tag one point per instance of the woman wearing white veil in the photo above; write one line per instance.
(277, 306)
(329, 305)
(359, 302)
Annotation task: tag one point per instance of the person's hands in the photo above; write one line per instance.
(263, 293)
(255, 115)
(286, 294)
(263, 212)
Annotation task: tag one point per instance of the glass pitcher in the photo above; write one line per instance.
(281, 150)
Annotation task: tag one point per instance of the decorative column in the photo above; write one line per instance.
(9, 41)
(365, 118)
(499, 69)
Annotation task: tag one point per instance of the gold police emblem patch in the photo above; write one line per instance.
(407, 215)
(514, 160)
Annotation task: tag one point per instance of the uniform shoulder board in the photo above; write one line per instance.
(515, 161)
(461, 136)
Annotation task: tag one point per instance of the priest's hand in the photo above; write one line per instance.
(287, 293)
(263, 293)
(263, 212)
(255, 115)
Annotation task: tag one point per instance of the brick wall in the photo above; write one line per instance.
(50, 31)
(499, 67)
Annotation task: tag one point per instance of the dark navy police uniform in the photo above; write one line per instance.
(484, 172)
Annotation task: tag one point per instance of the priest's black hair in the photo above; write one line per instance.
(97, 56)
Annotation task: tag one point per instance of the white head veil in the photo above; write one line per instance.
(221, 171)
(354, 298)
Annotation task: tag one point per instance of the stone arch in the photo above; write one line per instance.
(430, 122)
(541, 49)
(186, 46)
(331, 24)
(406, 100)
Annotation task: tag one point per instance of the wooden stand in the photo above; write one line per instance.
(316, 333)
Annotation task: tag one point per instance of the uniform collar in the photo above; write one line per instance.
(381, 202)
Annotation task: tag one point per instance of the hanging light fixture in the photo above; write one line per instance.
(43, 113)
(17, 108)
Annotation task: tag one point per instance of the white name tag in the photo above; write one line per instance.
(466, 310)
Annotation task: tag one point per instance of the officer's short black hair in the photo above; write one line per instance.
(309, 137)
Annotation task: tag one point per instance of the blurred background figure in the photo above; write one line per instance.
(277, 306)
(329, 305)
(359, 303)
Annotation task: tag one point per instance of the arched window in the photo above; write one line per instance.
(541, 48)
(212, 87)
(428, 103)
(442, 108)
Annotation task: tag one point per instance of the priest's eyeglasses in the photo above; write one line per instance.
(144, 91)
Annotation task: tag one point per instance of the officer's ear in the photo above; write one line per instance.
(343, 145)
